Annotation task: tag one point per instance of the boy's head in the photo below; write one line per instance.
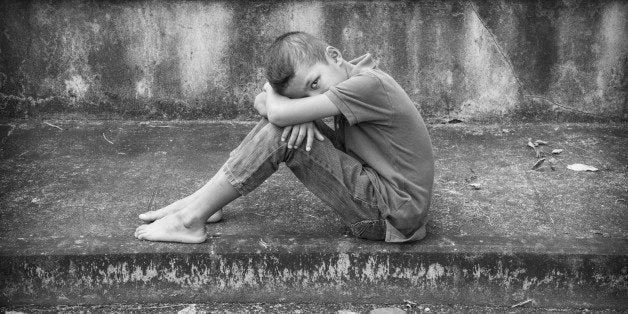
(299, 65)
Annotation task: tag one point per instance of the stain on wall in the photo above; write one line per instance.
(612, 65)
(472, 60)
(474, 278)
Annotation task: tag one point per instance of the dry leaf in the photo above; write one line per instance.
(191, 309)
(263, 244)
(552, 162)
(530, 143)
(539, 142)
(476, 186)
(581, 167)
(557, 151)
(387, 310)
(522, 303)
(538, 164)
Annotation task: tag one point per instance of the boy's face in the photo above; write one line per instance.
(316, 79)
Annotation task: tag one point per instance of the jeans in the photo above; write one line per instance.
(338, 179)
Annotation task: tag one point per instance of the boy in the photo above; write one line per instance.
(375, 170)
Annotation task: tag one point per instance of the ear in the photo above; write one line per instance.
(334, 54)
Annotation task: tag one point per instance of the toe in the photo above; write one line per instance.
(146, 216)
(141, 234)
(139, 229)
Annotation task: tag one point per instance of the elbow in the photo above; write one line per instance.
(276, 118)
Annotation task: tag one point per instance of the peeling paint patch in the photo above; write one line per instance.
(613, 45)
(434, 272)
(203, 38)
(143, 89)
(296, 16)
(76, 87)
(331, 277)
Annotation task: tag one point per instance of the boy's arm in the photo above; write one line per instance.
(294, 134)
(283, 111)
(260, 104)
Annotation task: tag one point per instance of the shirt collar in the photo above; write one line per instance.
(362, 63)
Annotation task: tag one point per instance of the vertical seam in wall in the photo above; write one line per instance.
(522, 90)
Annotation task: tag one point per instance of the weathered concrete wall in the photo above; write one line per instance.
(457, 59)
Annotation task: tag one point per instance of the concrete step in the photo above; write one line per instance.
(71, 195)
(297, 308)
(475, 271)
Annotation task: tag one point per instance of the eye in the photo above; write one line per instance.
(314, 84)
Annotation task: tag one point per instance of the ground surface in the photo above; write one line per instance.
(93, 179)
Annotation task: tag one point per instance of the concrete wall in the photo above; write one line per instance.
(473, 60)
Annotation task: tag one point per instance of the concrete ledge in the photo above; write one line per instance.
(471, 270)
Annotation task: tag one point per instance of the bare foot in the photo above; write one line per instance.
(171, 229)
(153, 215)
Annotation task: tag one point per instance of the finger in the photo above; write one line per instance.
(286, 132)
(300, 136)
(310, 138)
(293, 136)
(318, 134)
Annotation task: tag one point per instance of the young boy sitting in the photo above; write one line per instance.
(375, 170)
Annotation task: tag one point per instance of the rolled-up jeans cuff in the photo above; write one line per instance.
(370, 229)
(238, 185)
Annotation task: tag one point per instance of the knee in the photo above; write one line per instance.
(263, 134)
(268, 130)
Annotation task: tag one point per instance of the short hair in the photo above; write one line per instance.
(289, 52)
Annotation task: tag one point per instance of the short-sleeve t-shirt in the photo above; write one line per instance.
(385, 132)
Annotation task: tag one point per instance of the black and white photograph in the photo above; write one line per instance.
(324, 156)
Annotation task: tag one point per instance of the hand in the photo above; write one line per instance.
(268, 88)
(271, 94)
(260, 104)
(297, 133)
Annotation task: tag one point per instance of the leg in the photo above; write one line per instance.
(184, 220)
(338, 179)
(153, 215)
(345, 185)
(188, 224)
(335, 177)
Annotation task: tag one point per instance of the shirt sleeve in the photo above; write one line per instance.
(362, 98)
